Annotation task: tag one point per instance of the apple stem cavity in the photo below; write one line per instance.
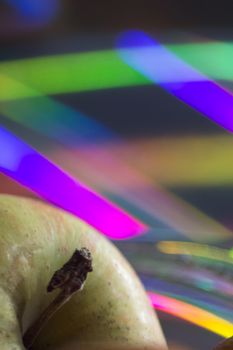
(70, 279)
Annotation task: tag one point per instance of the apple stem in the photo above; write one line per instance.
(70, 279)
(33, 331)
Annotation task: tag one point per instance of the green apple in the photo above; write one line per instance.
(112, 311)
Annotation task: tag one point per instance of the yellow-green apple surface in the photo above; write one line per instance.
(112, 311)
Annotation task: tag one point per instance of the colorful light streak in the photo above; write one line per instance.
(56, 121)
(87, 71)
(171, 73)
(212, 58)
(224, 313)
(193, 160)
(66, 74)
(101, 165)
(70, 127)
(183, 161)
(193, 314)
(195, 249)
(220, 306)
(231, 253)
(192, 276)
(111, 172)
(25, 165)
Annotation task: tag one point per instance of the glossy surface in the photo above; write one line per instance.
(112, 310)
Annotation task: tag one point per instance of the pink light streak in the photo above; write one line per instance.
(191, 313)
(31, 169)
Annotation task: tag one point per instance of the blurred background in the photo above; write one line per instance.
(66, 90)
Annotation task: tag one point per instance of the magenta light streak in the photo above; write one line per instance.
(160, 65)
(28, 167)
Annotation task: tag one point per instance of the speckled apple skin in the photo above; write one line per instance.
(111, 312)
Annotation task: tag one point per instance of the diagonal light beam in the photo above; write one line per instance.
(102, 165)
(103, 69)
(28, 167)
(177, 77)
(191, 313)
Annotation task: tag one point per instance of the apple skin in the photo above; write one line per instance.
(111, 312)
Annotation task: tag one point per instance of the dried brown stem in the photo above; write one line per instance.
(70, 279)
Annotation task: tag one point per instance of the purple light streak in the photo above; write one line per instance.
(161, 66)
(28, 167)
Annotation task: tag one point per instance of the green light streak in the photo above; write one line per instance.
(214, 59)
(89, 71)
(66, 74)
(231, 253)
(195, 249)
